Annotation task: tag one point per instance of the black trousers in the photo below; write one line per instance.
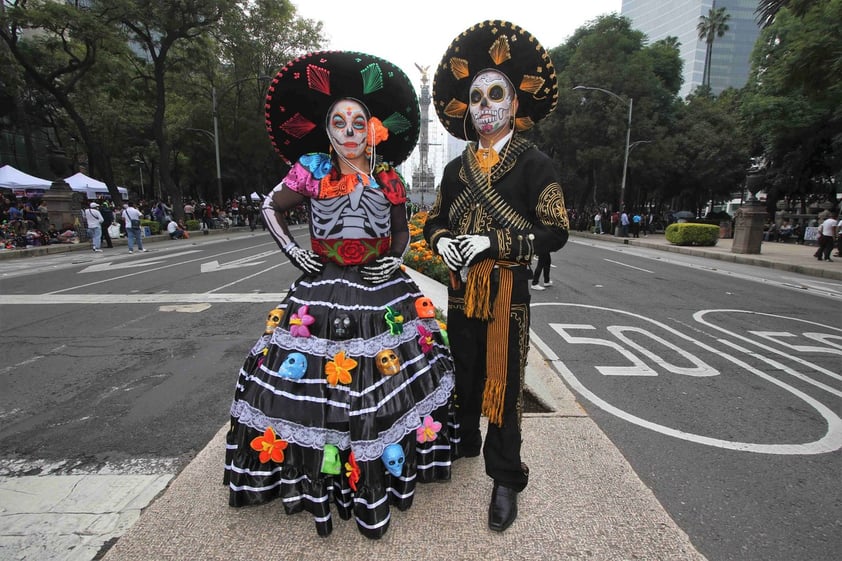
(469, 344)
(543, 267)
(825, 247)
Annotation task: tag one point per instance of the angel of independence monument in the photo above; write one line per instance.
(423, 178)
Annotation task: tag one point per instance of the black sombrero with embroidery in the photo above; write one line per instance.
(502, 46)
(304, 89)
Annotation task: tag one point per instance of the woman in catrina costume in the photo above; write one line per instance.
(345, 399)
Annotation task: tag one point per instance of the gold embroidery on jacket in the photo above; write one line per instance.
(550, 209)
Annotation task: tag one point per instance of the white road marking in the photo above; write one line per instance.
(830, 442)
(185, 308)
(629, 266)
(30, 360)
(133, 264)
(249, 261)
(168, 298)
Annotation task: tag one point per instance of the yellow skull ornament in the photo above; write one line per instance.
(387, 362)
(273, 319)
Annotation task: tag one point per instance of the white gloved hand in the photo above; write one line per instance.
(381, 269)
(448, 249)
(305, 259)
(471, 246)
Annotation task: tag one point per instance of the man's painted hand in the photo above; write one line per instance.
(448, 249)
(470, 246)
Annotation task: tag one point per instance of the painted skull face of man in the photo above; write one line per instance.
(491, 98)
(347, 127)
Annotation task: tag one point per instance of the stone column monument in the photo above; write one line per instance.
(63, 204)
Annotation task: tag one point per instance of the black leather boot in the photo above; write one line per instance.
(503, 508)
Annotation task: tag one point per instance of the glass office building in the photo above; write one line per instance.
(731, 57)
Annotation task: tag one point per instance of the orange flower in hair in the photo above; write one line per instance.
(377, 133)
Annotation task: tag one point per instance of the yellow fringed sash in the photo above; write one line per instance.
(477, 305)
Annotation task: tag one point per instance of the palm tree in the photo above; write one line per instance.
(713, 25)
(768, 9)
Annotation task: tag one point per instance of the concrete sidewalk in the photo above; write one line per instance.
(790, 256)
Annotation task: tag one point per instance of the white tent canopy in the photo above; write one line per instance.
(12, 178)
(90, 186)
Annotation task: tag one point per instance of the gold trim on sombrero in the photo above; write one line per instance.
(531, 84)
(456, 108)
(499, 50)
(459, 67)
(524, 123)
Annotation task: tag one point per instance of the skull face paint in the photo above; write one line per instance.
(491, 98)
(347, 127)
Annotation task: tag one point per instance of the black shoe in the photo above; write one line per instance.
(503, 508)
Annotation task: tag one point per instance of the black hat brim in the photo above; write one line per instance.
(502, 46)
(305, 88)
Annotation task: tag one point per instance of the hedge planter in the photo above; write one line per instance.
(692, 234)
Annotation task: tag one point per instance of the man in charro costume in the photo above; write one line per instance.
(499, 203)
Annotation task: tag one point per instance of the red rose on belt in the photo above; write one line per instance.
(352, 251)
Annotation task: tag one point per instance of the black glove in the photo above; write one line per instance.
(381, 269)
(305, 259)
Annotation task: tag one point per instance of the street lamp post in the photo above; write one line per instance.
(215, 113)
(140, 171)
(630, 103)
(216, 144)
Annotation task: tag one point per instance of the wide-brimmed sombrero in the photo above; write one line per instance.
(304, 89)
(502, 46)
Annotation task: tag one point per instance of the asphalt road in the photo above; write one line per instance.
(129, 361)
(722, 385)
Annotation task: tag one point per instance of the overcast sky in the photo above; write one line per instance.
(409, 33)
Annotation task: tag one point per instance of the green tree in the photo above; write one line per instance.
(157, 27)
(793, 103)
(57, 46)
(711, 26)
(586, 135)
(768, 9)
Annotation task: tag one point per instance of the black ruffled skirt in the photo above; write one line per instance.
(351, 370)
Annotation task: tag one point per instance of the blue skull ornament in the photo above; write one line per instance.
(293, 367)
(393, 459)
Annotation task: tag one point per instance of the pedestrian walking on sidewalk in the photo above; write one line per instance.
(838, 237)
(542, 268)
(108, 218)
(499, 203)
(827, 231)
(93, 222)
(345, 397)
(131, 219)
